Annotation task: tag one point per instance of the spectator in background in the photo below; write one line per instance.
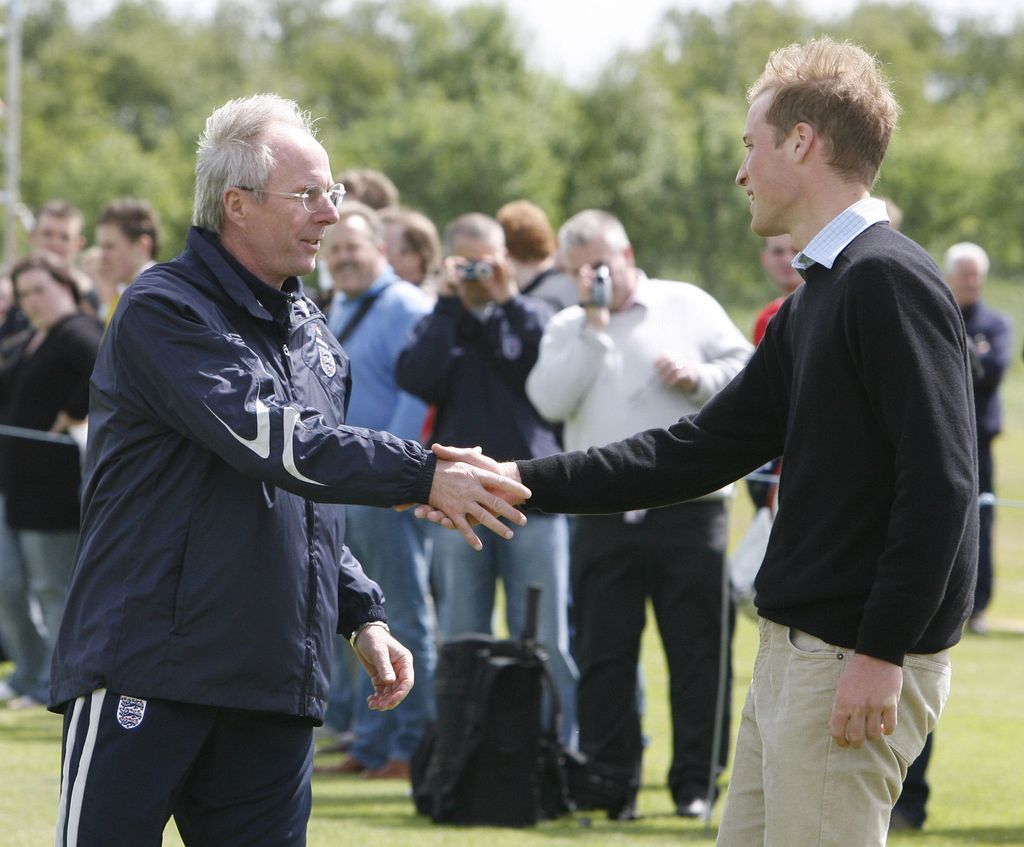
(128, 235)
(532, 252)
(470, 358)
(372, 315)
(777, 256)
(655, 351)
(44, 386)
(990, 333)
(106, 289)
(58, 231)
(413, 246)
(370, 187)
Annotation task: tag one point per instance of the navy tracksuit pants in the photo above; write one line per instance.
(227, 776)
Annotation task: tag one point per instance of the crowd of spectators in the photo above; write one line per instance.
(491, 337)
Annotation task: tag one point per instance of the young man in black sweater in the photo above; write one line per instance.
(863, 382)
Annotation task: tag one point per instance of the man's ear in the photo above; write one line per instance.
(234, 205)
(801, 138)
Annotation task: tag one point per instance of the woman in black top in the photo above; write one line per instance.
(44, 387)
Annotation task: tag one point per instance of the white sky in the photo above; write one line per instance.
(574, 38)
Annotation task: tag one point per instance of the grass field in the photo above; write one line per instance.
(976, 773)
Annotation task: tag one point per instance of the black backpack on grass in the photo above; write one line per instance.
(491, 758)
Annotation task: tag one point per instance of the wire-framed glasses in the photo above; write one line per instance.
(312, 198)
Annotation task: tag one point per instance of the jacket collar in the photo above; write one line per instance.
(260, 300)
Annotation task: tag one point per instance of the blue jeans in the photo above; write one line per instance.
(22, 640)
(48, 556)
(537, 554)
(393, 548)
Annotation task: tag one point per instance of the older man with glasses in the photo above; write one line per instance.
(211, 575)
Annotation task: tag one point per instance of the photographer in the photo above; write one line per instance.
(638, 353)
(470, 358)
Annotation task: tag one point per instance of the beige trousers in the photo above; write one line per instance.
(791, 785)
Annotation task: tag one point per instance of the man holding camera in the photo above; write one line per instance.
(636, 354)
(470, 358)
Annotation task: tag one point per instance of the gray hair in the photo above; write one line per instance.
(966, 250)
(474, 227)
(590, 224)
(232, 151)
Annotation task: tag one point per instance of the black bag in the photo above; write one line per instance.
(490, 758)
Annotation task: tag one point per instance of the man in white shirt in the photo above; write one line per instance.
(657, 351)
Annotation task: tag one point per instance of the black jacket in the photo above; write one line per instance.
(211, 567)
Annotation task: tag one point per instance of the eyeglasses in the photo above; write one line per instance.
(311, 198)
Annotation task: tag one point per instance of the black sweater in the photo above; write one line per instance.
(863, 382)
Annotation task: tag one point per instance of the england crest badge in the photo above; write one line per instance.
(130, 711)
(327, 363)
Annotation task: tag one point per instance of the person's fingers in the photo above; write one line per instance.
(889, 719)
(837, 727)
(461, 525)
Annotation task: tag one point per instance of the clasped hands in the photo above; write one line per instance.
(471, 489)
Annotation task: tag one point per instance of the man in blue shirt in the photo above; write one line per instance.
(372, 315)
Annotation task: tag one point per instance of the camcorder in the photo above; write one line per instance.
(475, 271)
(601, 289)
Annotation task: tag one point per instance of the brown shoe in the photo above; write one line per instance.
(346, 767)
(395, 769)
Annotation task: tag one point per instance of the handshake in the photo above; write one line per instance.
(471, 489)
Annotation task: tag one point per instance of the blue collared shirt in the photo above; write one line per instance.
(840, 231)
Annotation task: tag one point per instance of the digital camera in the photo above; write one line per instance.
(474, 271)
(601, 288)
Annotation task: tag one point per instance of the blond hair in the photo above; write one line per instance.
(842, 92)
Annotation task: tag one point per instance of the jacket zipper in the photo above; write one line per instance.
(310, 602)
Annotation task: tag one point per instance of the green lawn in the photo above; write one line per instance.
(976, 773)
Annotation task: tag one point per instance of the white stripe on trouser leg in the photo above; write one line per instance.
(69, 748)
(78, 792)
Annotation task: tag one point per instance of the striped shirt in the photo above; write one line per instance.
(840, 231)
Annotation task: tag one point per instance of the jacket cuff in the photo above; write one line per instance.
(425, 480)
(373, 613)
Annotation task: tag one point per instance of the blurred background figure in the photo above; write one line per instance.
(413, 246)
(636, 353)
(990, 332)
(58, 231)
(128, 235)
(777, 255)
(44, 385)
(470, 358)
(370, 187)
(532, 250)
(372, 315)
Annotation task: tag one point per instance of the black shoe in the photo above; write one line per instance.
(698, 807)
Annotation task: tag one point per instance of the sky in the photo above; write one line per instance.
(575, 38)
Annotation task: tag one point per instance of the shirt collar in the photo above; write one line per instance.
(840, 231)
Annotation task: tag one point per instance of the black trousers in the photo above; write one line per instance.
(674, 557)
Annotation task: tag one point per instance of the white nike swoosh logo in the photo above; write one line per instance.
(291, 418)
(260, 445)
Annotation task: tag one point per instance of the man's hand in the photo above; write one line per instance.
(469, 488)
(865, 702)
(389, 665)
(681, 375)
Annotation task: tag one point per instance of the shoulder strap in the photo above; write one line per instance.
(358, 315)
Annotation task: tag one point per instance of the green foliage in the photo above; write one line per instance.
(446, 104)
